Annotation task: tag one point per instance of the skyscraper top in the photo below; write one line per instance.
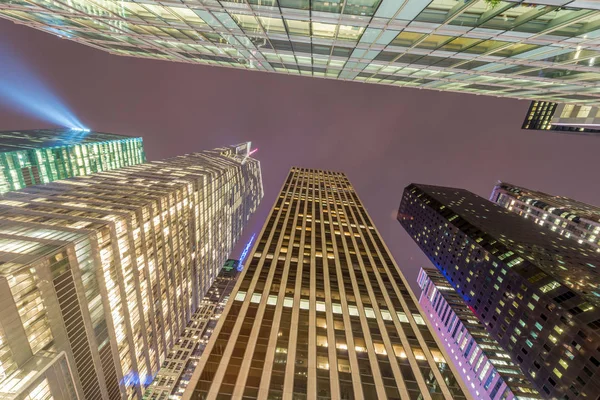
(33, 157)
(557, 205)
(539, 49)
(503, 231)
(45, 138)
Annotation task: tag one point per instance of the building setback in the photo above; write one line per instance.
(566, 118)
(322, 311)
(177, 369)
(570, 218)
(44, 155)
(484, 366)
(538, 49)
(107, 269)
(536, 291)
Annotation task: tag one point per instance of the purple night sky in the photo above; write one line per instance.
(382, 137)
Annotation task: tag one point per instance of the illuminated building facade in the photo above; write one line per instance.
(539, 49)
(570, 218)
(109, 268)
(535, 291)
(44, 155)
(177, 369)
(567, 118)
(484, 366)
(321, 311)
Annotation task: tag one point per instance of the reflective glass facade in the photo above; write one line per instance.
(570, 218)
(539, 49)
(567, 118)
(44, 155)
(110, 267)
(535, 291)
(485, 367)
(177, 369)
(321, 311)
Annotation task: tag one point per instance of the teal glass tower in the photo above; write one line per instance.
(41, 156)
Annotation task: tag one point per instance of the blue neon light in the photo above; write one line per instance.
(132, 378)
(245, 252)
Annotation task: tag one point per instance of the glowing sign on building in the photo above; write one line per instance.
(245, 252)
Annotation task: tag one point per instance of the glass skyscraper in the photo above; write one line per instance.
(538, 49)
(570, 218)
(44, 155)
(177, 369)
(567, 118)
(321, 311)
(107, 269)
(487, 369)
(536, 292)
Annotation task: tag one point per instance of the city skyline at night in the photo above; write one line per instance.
(383, 137)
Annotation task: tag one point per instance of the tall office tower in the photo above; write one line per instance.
(570, 218)
(568, 118)
(181, 362)
(321, 311)
(486, 368)
(45, 155)
(109, 268)
(536, 291)
(538, 49)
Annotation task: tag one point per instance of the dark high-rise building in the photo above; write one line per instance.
(321, 311)
(44, 155)
(570, 218)
(566, 118)
(486, 368)
(536, 291)
(181, 362)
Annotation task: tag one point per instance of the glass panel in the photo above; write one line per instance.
(406, 39)
(459, 44)
(350, 32)
(297, 27)
(323, 30)
(361, 7)
(272, 24)
(432, 42)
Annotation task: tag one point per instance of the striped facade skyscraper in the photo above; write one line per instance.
(321, 311)
(100, 274)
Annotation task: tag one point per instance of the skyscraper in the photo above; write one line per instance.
(536, 291)
(109, 268)
(177, 369)
(539, 49)
(570, 218)
(567, 118)
(486, 368)
(44, 155)
(321, 310)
